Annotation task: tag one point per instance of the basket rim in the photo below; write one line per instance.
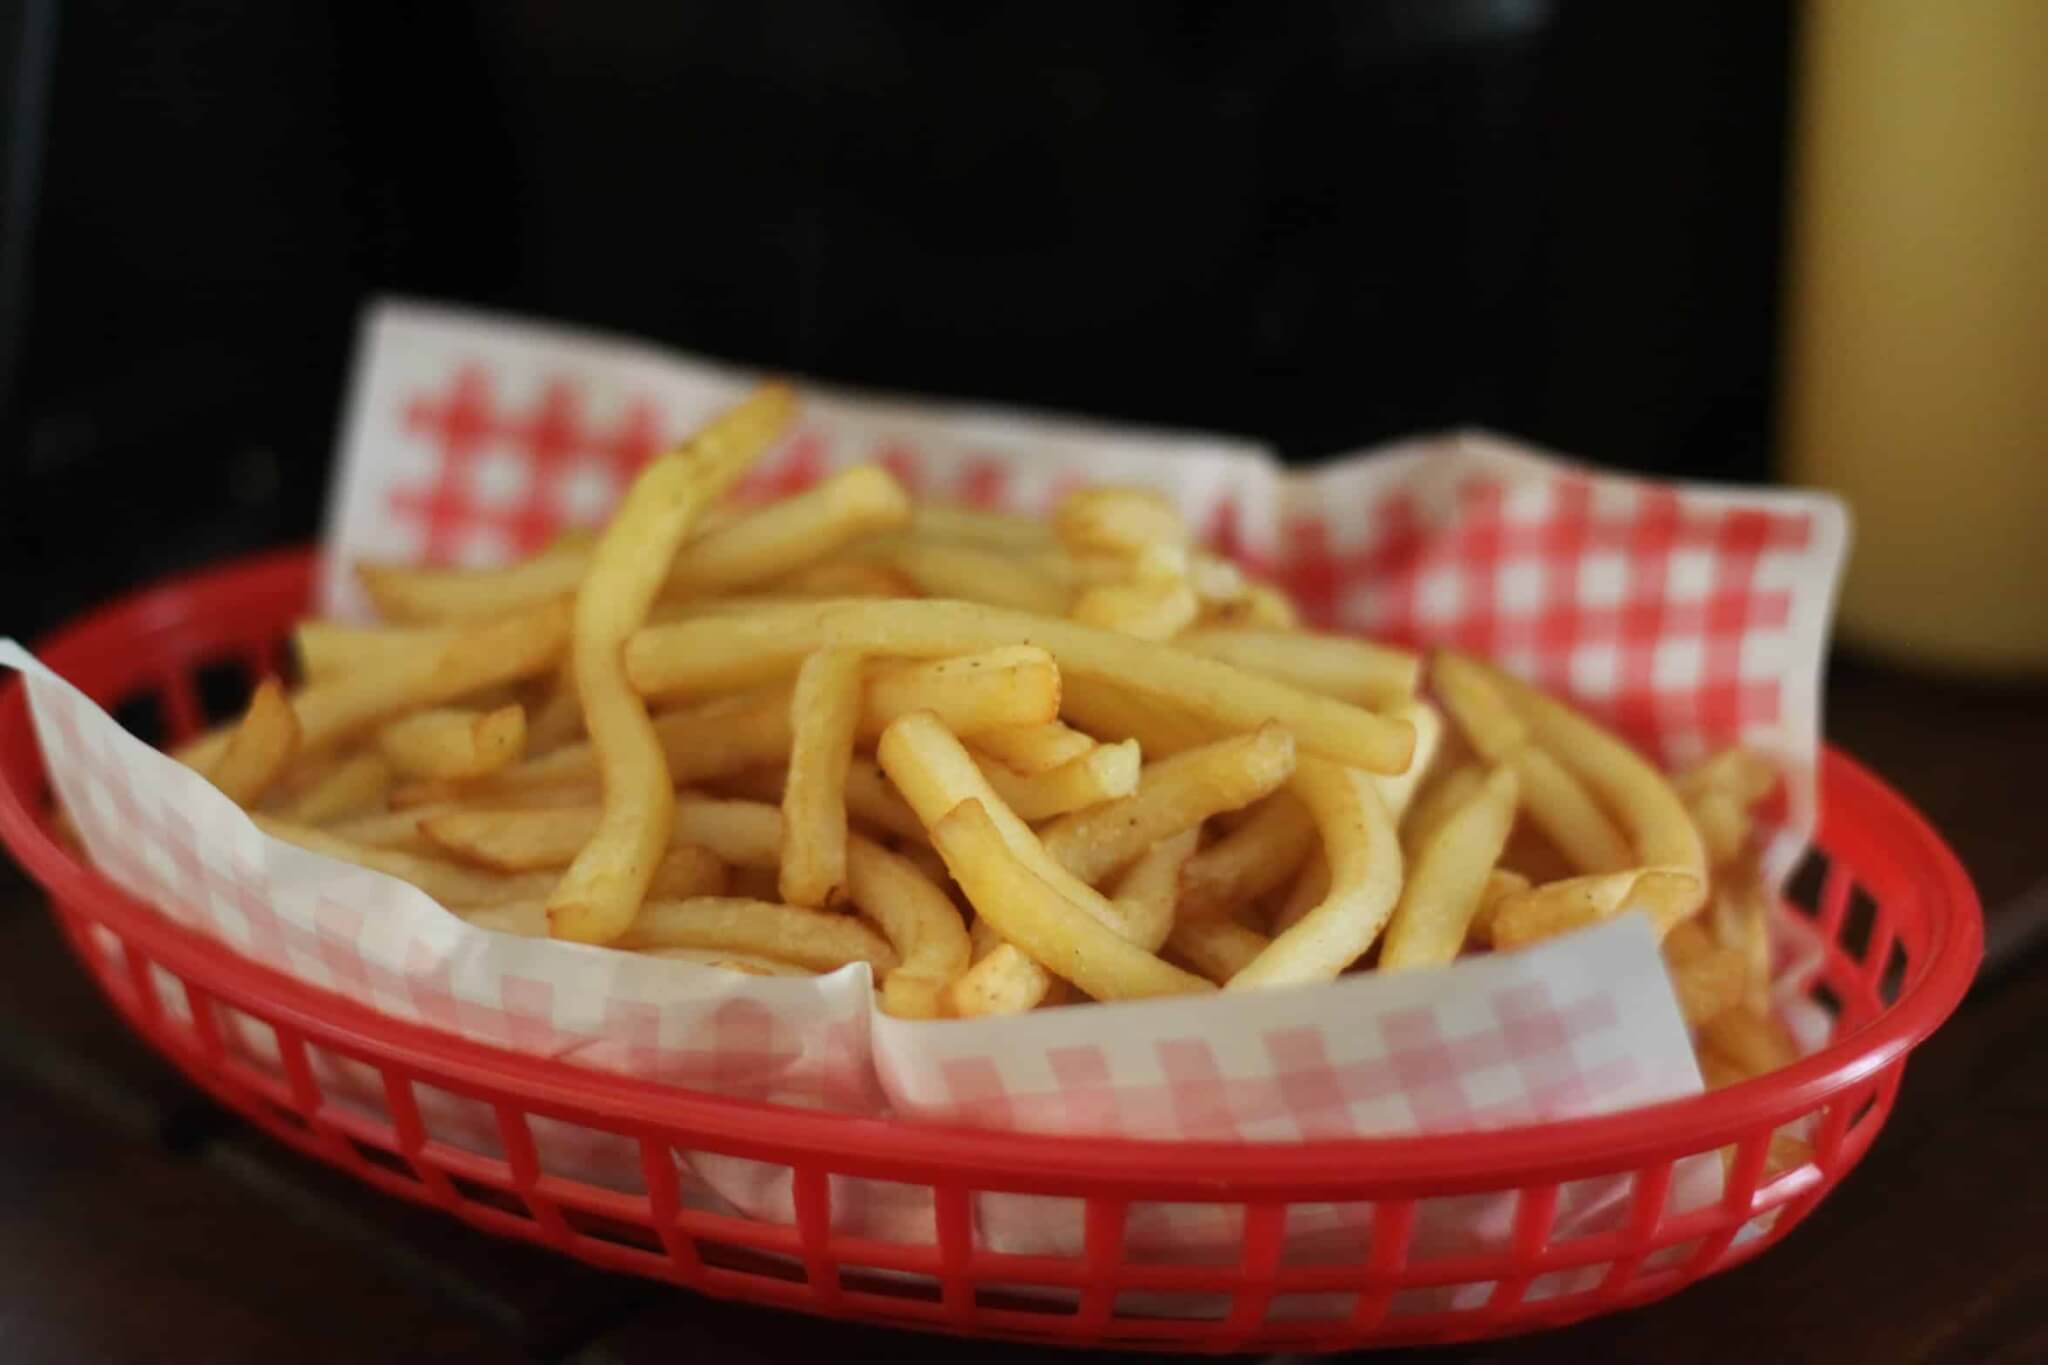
(1556, 1150)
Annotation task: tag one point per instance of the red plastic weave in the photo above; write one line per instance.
(1902, 926)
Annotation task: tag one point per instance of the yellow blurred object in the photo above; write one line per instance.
(1918, 319)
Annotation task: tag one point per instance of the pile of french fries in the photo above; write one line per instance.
(1006, 763)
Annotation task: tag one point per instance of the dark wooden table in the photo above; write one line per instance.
(139, 1223)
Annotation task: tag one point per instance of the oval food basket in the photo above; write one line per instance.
(1900, 923)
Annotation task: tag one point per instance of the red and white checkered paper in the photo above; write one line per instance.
(1688, 617)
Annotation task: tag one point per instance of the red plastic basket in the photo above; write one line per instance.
(1903, 934)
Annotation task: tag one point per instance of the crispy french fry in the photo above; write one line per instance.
(1500, 884)
(1352, 670)
(969, 573)
(1111, 713)
(1008, 686)
(1555, 799)
(743, 834)
(329, 650)
(1707, 986)
(455, 887)
(1262, 607)
(404, 592)
(825, 709)
(1104, 773)
(1310, 888)
(1752, 1040)
(1263, 853)
(399, 829)
(1032, 749)
(1118, 520)
(731, 960)
(1365, 880)
(1218, 948)
(1437, 802)
(453, 743)
(1560, 907)
(920, 922)
(997, 530)
(1045, 924)
(1174, 794)
(1742, 773)
(1148, 610)
(1148, 893)
(1448, 876)
(844, 578)
(261, 747)
(687, 871)
(355, 784)
(872, 801)
(787, 536)
(719, 651)
(1741, 921)
(821, 940)
(1399, 791)
(603, 887)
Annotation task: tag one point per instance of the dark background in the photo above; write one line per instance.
(1320, 224)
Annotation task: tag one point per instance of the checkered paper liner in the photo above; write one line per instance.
(1687, 617)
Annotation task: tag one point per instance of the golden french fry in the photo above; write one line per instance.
(1118, 520)
(507, 840)
(455, 887)
(1173, 794)
(453, 743)
(969, 573)
(1560, 907)
(821, 940)
(1555, 799)
(824, 711)
(722, 651)
(1048, 927)
(995, 985)
(1365, 880)
(1030, 749)
(1149, 892)
(1753, 1040)
(355, 784)
(1707, 978)
(332, 649)
(872, 801)
(1352, 670)
(844, 578)
(1741, 914)
(1310, 888)
(1110, 712)
(476, 658)
(1745, 775)
(1261, 854)
(1723, 824)
(1448, 876)
(1436, 803)
(1640, 796)
(685, 872)
(997, 530)
(1262, 607)
(1218, 948)
(1148, 610)
(743, 834)
(605, 884)
(556, 718)
(404, 592)
(399, 829)
(1500, 884)
(787, 536)
(1010, 685)
(1398, 792)
(261, 747)
(731, 960)
(1104, 773)
(920, 922)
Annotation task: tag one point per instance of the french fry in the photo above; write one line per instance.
(1117, 520)
(407, 593)
(993, 689)
(1437, 802)
(1351, 670)
(1560, 907)
(1148, 893)
(821, 940)
(1310, 888)
(453, 743)
(1365, 880)
(727, 959)
(1104, 773)
(1263, 853)
(1148, 611)
(1500, 884)
(969, 573)
(825, 709)
(1218, 948)
(1555, 799)
(476, 658)
(1174, 794)
(1740, 914)
(399, 829)
(1112, 713)
(1751, 1039)
(454, 887)
(1707, 978)
(598, 895)
(557, 718)
(996, 530)
(1399, 791)
(1047, 926)
(792, 534)
(355, 784)
(872, 801)
(685, 872)
(1030, 749)
(742, 834)
(722, 651)
(920, 922)
(329, 650)
(1448, 876)
(1263, 607)
(844, 578)
(261, 747)
(1743, 774)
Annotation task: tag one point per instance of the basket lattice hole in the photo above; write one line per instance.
(598, 1227)
(457, 1123)
(744, 1260)
(1058, 1222)
(1327, 1306)
(1158, 1232)
(889, 1284)
(1892, 980)
(1858, 923)
(1802, 888)
(1045, 1300)
(490, 1197)
(882, 1210)
(1326, 1234)
(141, 714)
(1179, 1304)
(224, 686)
(284, 1115)
(384, 1159)
(1827, 997)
